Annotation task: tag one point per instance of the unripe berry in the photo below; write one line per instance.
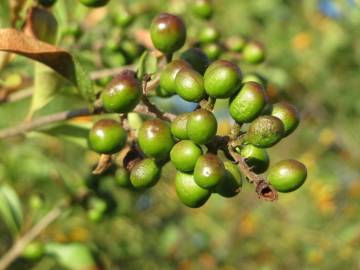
(288, 114)
(94, 3)
(189, 192)
(190, 85)
(265, 131)
(222, 79)
(253, 77)
(155, 139)
(168, 75)
(230, 185)
(203, 9)
(254, 53)
(96, 209)
(201, 126)
(179, 126)
(235, 43)
(107, 136)
(122, 178)
(209, 35)
(168, 33)
(123, 93)
(124, 18)
(197, 59)
(33, 251)
(209, 171)
(47, 3)
(212, 50)
(248, 103)
(287, 175)
(145, 174)
(184, 155)
(256, 158)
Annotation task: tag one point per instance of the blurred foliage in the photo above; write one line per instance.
(313, 50)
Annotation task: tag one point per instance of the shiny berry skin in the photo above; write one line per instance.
(201, 126)
(209, 35)
(168, 33)
(179, 126)
(189, 192)
(47, 3)
(265, 131)
(230, 185)
(107, 136)
(222, 79)
(168, 75)
(202, 9)
(184, 155)
(256, 158)
(254, 53)
(122, 94)
(197, 59)
(212, 50)
(155, 139)
(209, 171)
(248, 103)
(145, 174)
(190, 85)
(288, 114)
(122, 178)
(287, 175)
(235, 43)
(94, 3)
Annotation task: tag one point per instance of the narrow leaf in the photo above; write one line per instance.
(147, 64)
(56, 58)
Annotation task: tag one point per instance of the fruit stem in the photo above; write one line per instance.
(169, 57)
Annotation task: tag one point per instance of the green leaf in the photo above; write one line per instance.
(147, 65)
(74, 256)
(10, 209)
(56, 58)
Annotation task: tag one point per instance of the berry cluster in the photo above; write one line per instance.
(205, 163)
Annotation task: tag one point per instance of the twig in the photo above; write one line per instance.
(95, 75)
(263, 188)
(22, 242)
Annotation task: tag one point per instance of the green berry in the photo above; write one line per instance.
(287, 175)
(124, 18)
(253, 77)
(265, 131)
(184, 155)
(179, 126)
(256, 158)
(288, 114)
(230, 184)
(168, 75)
(107, 136)
(155, 139)
(235, 43)
(190, 85)
(254, 53)
(222, 79)
(203, 9)
(168, 33)
(161, 92)
(94, 3)
(209, 171)
(33, 251)
(248, 103)
(123, 93)
(96, 209)
(145, 174)
(209, 34)
(47, 3)
(201, 126)
(212, 50)
(122, 178)
(197, 59)
(189, 192)
(131, 49)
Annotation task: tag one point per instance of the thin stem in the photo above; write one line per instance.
(22, 242)
(169, 57)
(263, 188)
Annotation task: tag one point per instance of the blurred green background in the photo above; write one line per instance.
(313, 50)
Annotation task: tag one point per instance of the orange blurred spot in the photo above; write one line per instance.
(327, 137)
(301, 41)
(207, 261)
(184, 265)
(247, 225)
(82, 119)
(79, 234)
(354, 189)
